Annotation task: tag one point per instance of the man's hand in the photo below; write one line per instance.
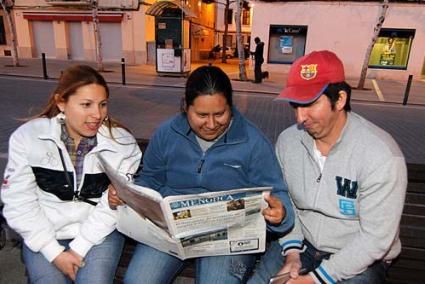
(82, 263)
(113, 198)
(275, 213)
(302, 279)
(68, 262)
(293, 266)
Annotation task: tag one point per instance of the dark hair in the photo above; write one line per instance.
(71, 79)
(332, 92)
(208, 80)
(257, 39)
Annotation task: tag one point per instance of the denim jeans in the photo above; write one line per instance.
(374, 274)
(101, 263)
(151, 266)
(272, 261)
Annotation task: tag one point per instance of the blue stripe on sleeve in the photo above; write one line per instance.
(292, 242)
(327, 276)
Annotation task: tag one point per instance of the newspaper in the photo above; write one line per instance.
(214, 223)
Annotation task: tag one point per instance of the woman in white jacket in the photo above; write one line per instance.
(54, 185)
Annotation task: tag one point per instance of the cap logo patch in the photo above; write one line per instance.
(308, 72)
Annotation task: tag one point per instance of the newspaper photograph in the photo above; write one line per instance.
(213, 223)
(195, 214)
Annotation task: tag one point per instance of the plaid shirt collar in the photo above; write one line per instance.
(78, 153)
(90, 142)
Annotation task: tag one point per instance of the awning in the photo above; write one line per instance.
(157, 8)
(72, 17)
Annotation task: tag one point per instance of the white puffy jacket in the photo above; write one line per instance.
(38, 202)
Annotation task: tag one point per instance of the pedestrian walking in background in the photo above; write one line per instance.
(258, 60)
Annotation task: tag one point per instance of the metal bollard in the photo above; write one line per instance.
(123, 70)
(407, 91)
(43, 62)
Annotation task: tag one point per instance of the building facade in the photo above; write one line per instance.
(202, 28)
(64, 29)
(246, 19)
(291, 29)
(4, 35)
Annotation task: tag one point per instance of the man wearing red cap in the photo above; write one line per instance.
(347, 179)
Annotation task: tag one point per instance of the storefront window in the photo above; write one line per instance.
(286, 43)
(423, 71)
(2, 32)
(392, 49)
(229, 16)
(246, 16)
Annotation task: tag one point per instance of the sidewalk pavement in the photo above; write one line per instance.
(391, 91)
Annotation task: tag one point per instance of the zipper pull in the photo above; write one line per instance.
(319, 178)
(76, 196)
(200, 166)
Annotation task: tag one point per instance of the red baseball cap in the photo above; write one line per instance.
(310, 75)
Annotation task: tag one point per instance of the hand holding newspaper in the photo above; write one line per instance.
(213, 223)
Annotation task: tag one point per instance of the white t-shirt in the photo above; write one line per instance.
(319, 157)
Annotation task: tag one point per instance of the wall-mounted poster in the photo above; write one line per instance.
(169, 43)
(167, 61)
(286, 43)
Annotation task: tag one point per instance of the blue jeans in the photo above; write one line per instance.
(272, 261)
(101, 263)
(151, 266)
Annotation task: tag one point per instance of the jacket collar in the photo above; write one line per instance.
(53, 132)
(237, 132)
